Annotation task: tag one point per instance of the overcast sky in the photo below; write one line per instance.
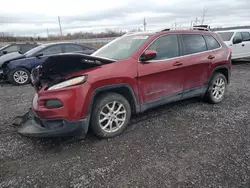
(29, 17)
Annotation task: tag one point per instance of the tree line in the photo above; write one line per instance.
(8, 37)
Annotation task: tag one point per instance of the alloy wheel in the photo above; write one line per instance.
(219, 87)
(20, 77)
(112, 116)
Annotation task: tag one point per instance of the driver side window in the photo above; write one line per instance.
(12, 48)
(166, 47)
(52, 50)
(237, 36)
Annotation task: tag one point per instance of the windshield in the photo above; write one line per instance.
(226, 36)
(33, 51)
(122, 47)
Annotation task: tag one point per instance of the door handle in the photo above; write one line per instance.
(243, 44)
(211, 57)
(178, 63)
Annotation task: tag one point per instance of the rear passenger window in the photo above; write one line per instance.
(245, 36)
(52, 50)
(212, 43)
(193, 43)
(72, 48)
(166, 47)
(26, 47)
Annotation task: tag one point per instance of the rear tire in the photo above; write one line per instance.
(217, 89)
(110, 115)
(19, 76)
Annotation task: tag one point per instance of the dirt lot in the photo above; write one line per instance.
(186, 144)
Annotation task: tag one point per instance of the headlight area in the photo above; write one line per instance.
(69, 82)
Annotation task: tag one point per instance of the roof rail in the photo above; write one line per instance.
(187, 28)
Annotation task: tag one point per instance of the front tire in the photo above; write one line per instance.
(110, 115)
(19, 76)
(216, 89)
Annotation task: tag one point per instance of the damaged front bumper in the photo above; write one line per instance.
(30, 125)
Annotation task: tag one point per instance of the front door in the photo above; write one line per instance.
(245, 44)
(238, 49)
(160, 80)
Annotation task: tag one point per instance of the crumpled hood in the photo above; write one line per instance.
(58, 66)
(10, 57)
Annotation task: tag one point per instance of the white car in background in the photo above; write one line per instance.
(239, 41)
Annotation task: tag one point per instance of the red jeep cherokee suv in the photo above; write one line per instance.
(131, 74)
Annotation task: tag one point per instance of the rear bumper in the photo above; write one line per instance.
(33, 126)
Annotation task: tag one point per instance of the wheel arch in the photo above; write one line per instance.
(23, 67)
(223, 70)
(123, 89)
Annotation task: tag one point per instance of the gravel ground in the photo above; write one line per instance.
(186, 144)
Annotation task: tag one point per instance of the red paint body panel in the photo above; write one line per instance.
(72, 99)
(159, 79)
(196, 68)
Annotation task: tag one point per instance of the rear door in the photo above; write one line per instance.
(197, 62)
(160, 80)
(245, 44)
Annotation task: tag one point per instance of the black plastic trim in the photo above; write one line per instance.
(218, 68)
(161, 101)
(194, 92)
(186, 94)
(115, 86)
(33, 126)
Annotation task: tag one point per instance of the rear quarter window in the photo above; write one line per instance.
(212, 43)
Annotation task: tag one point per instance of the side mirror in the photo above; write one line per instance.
(237, 41)
(5, 52)
(39, 55)
(148, 55)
